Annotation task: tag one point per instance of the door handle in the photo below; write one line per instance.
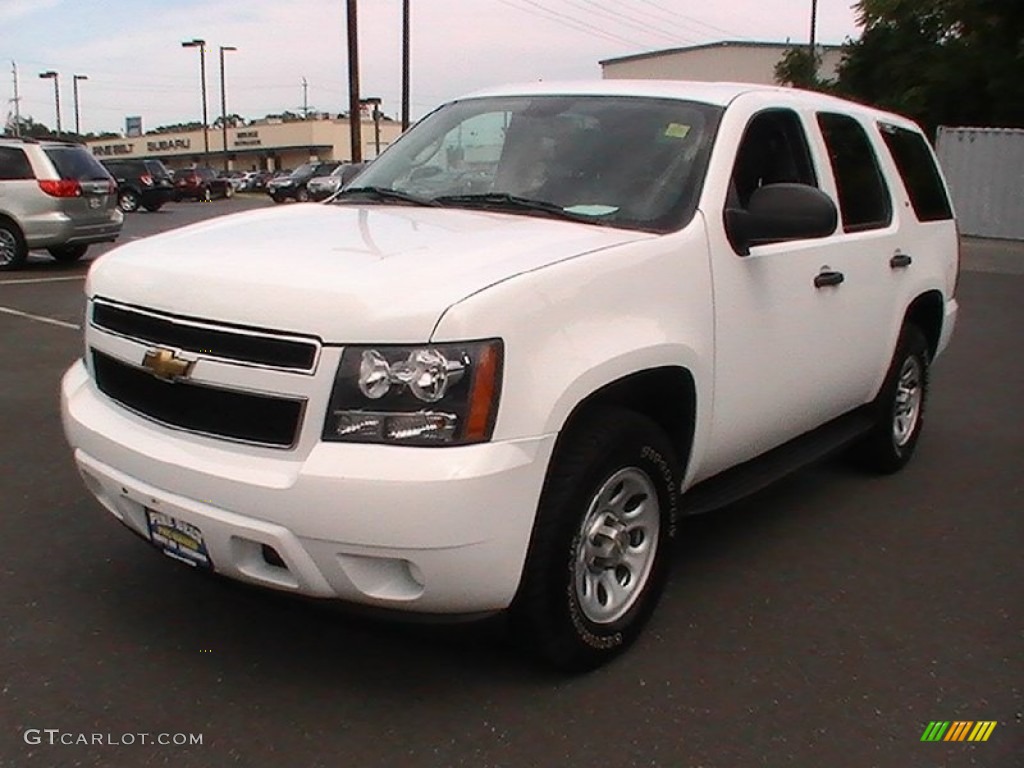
(828, 277)
(900, 260)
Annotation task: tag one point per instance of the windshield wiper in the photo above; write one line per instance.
(385, 193)
(503, 201)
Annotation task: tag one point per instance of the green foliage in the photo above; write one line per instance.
(942, 62)
(799, 68)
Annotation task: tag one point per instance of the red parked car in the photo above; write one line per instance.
(201, 184)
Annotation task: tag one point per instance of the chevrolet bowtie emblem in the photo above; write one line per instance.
(166, 365)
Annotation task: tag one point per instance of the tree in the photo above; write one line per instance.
(942, 62)
(799, 68)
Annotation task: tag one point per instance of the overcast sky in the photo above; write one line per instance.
(131, 49)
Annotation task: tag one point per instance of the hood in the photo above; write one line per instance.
(378, 274)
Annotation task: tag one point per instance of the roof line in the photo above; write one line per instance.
(718, 44)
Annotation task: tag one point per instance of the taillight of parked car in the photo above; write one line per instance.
(61, 187)
(146, 180)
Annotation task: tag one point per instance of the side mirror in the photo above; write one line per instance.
(780, 212)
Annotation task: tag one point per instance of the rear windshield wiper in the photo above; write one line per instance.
(503, 201)
(386, 194)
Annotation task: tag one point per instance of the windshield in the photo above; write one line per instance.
(622, 161)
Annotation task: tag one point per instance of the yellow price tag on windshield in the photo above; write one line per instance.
(677, 130)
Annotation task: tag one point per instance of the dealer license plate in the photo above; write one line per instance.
(178, 539)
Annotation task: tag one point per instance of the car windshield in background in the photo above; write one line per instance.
(622, 161)
(76, 163)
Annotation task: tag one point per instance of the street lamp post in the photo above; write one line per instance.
(224, 103)
(51, 75)
(376, 114)
(74, 83)
(201, 45)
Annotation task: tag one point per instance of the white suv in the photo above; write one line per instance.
(542, 326)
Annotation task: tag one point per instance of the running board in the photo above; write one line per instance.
(744, 479)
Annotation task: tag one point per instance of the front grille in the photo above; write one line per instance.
(254, 347)
(200, 408)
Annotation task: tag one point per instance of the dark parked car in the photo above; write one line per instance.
(201, 184)
(293, 186)
(141, 183)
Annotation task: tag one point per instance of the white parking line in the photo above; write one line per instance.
(31, 280)
(40, 318)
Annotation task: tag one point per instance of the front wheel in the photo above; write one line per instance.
(302, 195)
(899, 407)
(601, 546)
(68, 253)
(229, 192)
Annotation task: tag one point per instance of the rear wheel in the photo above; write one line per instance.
(229, 191)
(899, 407)
(128, 200)
(13, 250)
(68, 253)
(601, 548)
(302, 195)
(153, 207)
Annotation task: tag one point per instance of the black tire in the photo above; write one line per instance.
(608, 456)
(278, 198)
(302, 195)
(153, 207)
(66, 254)
(13, 250)
(899, 408)
(128, 200)
(229, 192)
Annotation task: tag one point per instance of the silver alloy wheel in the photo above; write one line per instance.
(129, 201)
(907, 408)
(8, 247)
(616, 547)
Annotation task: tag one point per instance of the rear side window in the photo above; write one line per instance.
(920, 174)
(76, 163)
(863, 196)
(14, 165)
(157, 169)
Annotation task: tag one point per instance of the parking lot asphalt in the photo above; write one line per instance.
(823, 622)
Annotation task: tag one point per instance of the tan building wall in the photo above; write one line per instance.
(728, 61)
(270, 146)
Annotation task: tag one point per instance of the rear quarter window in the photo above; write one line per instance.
(76, 163)
(14, 165)
(921, 176)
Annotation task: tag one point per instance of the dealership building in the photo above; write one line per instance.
(269, 144)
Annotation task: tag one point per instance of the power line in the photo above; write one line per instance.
(570, 22)
(621, 19)
(672, 13)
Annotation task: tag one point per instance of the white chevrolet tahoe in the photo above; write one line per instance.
(494, 370)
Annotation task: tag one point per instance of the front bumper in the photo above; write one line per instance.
(430, 530)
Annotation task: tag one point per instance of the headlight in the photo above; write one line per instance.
(436, 394)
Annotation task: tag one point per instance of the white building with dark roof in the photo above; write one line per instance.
(733, 60)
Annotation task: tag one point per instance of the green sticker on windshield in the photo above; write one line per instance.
(592, 210)
(677, 130)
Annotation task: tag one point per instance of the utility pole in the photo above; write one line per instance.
(354, 116)
(814, 24)
(17, 100)
(405, 64)
(224, 104)
(305, 99)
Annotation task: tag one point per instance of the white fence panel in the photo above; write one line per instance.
(985, 171)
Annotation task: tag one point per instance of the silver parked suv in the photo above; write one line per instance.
(53, 195)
